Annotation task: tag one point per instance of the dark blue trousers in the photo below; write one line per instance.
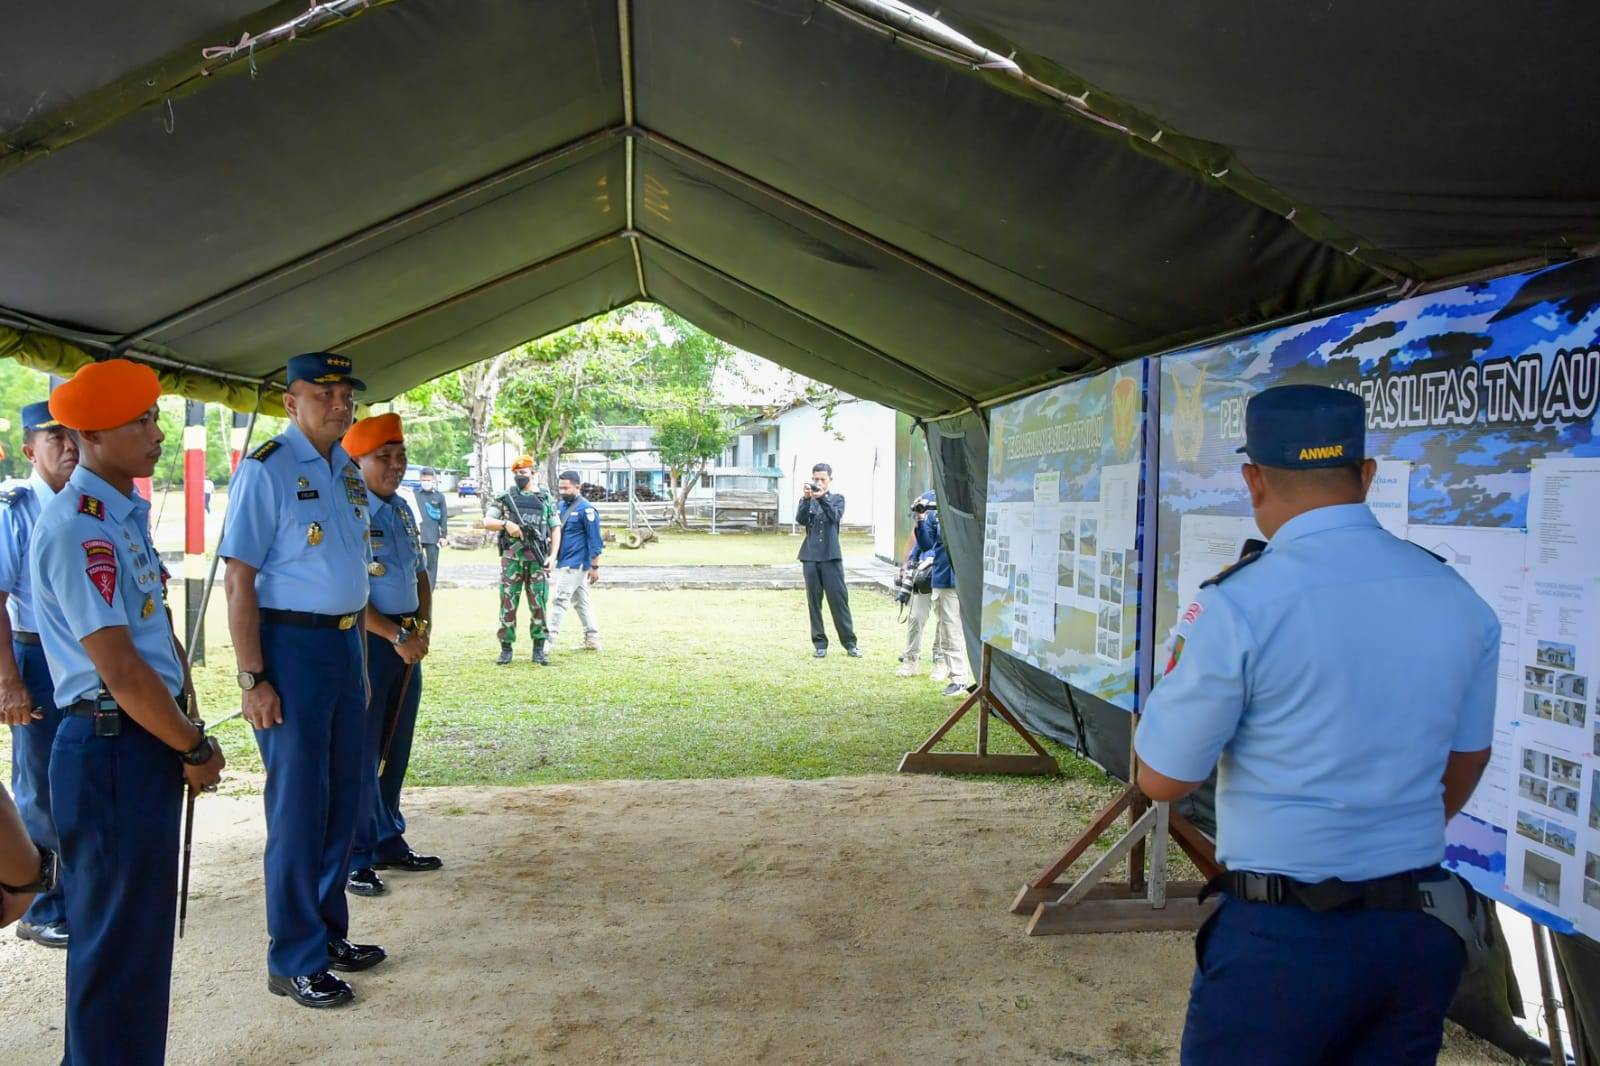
(117, 803)
(314, 763)
(30, 772)
(1282, 985)
(380, 835)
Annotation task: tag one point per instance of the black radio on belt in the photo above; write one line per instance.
(103, 711)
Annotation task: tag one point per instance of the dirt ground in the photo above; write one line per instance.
(853, 920)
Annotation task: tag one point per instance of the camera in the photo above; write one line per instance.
(813, 488)
(913, 580)
(923, 507)
(903, 586)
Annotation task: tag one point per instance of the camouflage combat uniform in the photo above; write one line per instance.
(522, 559)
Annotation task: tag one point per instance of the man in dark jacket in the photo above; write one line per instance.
(433, 515)
(949, 639)
(822, 561)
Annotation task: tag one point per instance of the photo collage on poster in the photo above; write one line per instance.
(1062, 529)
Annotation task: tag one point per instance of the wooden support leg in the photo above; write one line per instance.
(926, 760)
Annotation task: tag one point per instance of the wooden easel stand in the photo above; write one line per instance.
(927, 761)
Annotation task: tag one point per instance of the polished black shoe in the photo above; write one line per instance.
(820, 653)
(540, 656)
(50, 935)
(411, 863)
(321, 989)
(854, 653)
(364, 882)
(353, 958)
(505, 655)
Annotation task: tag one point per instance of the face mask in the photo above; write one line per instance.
(427, 486)
(522, 480)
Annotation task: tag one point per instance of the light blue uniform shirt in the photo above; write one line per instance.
(18, 516)
(302, 523)
(1333, 677)
(93, 565)
(397, 547)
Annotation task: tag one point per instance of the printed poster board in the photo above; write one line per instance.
(1063, 531)
(1481, 404)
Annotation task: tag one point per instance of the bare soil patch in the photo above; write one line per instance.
(849, 920)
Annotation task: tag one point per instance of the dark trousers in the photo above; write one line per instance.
(1281, 984)
(30, 772)
(116, 802)
(315, 785)
(380, 834)
(826, 578)
(432, 553)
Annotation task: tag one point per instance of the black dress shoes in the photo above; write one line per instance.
(352, 958)
(364, 882)
(321, 989)
(820, 653)
(412, 863)
(50, 935)
(853, 651)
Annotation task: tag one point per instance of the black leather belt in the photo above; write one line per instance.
(404, 621)
(308, 619)
(1397, 892)
(22, 636)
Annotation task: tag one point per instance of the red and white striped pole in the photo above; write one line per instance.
(194, 525)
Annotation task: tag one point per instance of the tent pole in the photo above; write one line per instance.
(216, 558)
(625, 54)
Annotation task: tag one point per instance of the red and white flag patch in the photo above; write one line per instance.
(1194, 612)
(101, 565)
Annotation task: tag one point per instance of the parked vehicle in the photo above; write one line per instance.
(467, 486)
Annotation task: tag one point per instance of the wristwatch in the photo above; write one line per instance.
(249, 679)
(400, 637)
(47, 874)
(201, 753)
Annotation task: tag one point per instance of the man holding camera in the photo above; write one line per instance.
(949, 641)
(822, 561)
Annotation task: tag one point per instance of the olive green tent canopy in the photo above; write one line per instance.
(922, 218)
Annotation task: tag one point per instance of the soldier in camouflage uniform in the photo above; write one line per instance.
(525, 518)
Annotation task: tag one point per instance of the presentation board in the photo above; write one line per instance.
(1063, 531)
(1481, 404)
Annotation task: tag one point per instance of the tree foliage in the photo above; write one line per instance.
(689, 437)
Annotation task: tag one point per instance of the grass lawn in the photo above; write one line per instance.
(690, 685)
(696, 548)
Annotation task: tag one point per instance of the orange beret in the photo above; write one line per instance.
(522, 462)
(105, 395)
(370, 434)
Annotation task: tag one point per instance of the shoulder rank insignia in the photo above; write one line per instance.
(1230, 571)
(91, 506)
(14, 494)
(266, 449)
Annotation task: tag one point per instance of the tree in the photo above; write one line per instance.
(472, 392)
(689, 437)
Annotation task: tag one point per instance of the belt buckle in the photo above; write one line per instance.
(346, 621)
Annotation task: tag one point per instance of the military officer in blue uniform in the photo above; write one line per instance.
(26, 701)
(397, 624)
(125, 749)
(577, 560)
(296, 545)
(1345, 679)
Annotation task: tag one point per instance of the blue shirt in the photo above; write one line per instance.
(93, 566)
(930, 545)
(301, 521)
(580, 534)
(397, 551)
(1333, 677)
(19, 513)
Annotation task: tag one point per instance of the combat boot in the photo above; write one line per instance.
(505, 655)
(539, 654)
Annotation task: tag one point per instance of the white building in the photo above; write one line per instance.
(858, 442)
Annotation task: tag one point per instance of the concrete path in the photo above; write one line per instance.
(860, 572)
